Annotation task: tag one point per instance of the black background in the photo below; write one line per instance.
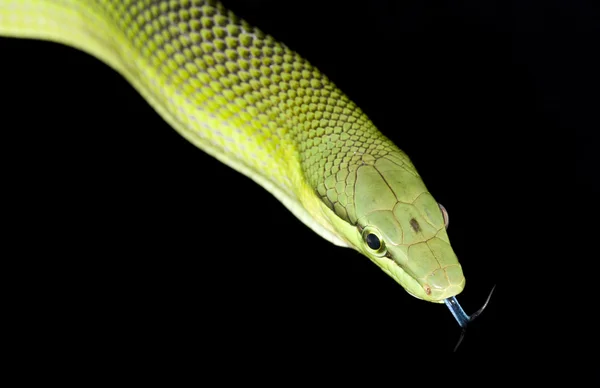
(135, 240)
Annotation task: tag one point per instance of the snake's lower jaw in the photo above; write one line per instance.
(439, 295)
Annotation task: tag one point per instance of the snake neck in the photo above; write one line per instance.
(335, 140)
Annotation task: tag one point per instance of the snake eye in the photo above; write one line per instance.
(445, 214)
(373, 241)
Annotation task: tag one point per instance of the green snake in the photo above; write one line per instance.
(260, 108)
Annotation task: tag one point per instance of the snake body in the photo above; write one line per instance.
(262, 109)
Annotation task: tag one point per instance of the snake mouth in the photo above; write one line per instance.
(444, 283)
(413, 286)
(439, 295)
(439, 285)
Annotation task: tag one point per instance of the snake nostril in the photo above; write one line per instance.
(427, 289)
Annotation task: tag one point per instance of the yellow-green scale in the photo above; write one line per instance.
(234, 91)
(263, 110)
(251, 96)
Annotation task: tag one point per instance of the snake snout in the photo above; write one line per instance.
(444, 283)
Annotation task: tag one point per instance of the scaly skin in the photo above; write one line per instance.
(260, 108)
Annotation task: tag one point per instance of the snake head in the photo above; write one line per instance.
(410, 243)
(394, 221)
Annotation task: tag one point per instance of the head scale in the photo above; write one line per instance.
(388, 215)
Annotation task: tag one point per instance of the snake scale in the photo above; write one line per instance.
(260, 108)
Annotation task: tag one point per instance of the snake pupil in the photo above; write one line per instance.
(373, 241)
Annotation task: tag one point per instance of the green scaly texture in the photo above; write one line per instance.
(262, 109)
